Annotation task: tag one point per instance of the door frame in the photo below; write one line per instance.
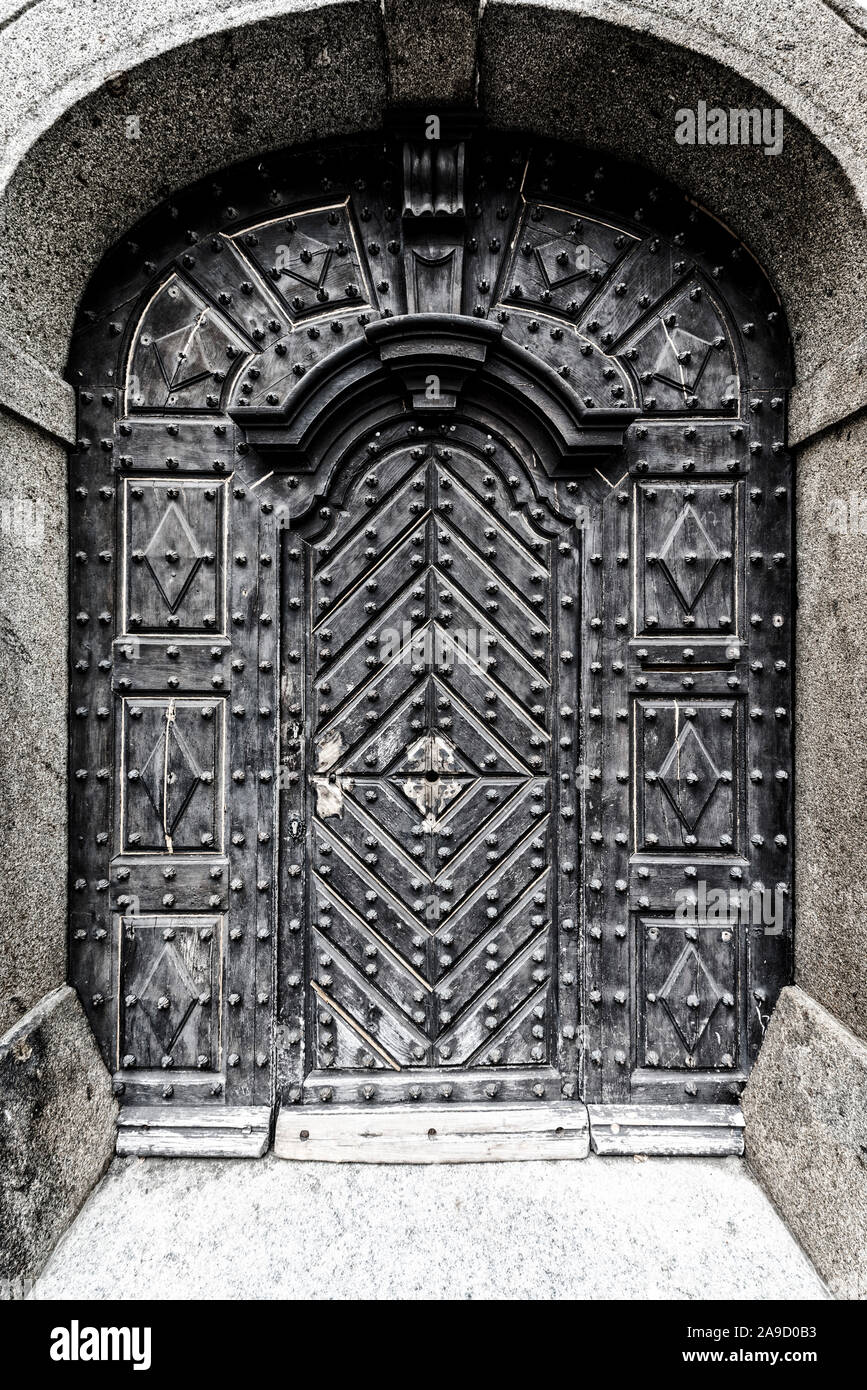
(560, 519)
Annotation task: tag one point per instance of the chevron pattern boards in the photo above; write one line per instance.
(433, 782)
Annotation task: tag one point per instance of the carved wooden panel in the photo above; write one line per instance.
(170, 983)
(371, 439)
(689, 978)
(689, 774)
(312, 260)
(689, 542)
(172, 765)
(684, 356)
(182, 351)
(174, 556)
(560, 260)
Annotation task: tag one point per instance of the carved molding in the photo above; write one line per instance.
(430, 359)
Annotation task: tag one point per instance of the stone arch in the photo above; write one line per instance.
(338, 59)
(72, 190)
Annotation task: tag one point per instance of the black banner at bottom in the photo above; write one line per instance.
(263, 1338)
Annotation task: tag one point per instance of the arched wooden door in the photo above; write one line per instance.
(431, 596)
(437, 629)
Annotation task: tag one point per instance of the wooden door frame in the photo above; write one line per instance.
(566, 492)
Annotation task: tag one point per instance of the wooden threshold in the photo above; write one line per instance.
(449, 1134)
(710, 1130)
(194, 1131)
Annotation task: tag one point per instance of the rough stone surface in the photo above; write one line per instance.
(853, 11)
(807, 60)
(806, 1136)
(831, 723)
(33, 695)
(834, 391)
(595, 1228)
(35, 394)
(431, 60)
(57, 1118)
(56, 51)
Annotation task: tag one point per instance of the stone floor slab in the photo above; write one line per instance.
(674, 1228)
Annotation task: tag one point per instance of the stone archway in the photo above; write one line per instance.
(76, 184)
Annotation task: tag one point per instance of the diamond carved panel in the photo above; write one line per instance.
(688, 774)
(311, 261)
(175, 556)
(182, 352)
(560, 260)
(172, 775)
(170, 992)
(687, 581)
(689, 976)
(684, 357)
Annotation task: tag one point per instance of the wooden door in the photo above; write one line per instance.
(431, 636)
(439, 625)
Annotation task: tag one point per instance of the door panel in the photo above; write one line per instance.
(432, 899)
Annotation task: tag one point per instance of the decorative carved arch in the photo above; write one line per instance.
(464, 359)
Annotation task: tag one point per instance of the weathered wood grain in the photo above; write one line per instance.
(456, 1134)
(711, 1130)
(228, 1131)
